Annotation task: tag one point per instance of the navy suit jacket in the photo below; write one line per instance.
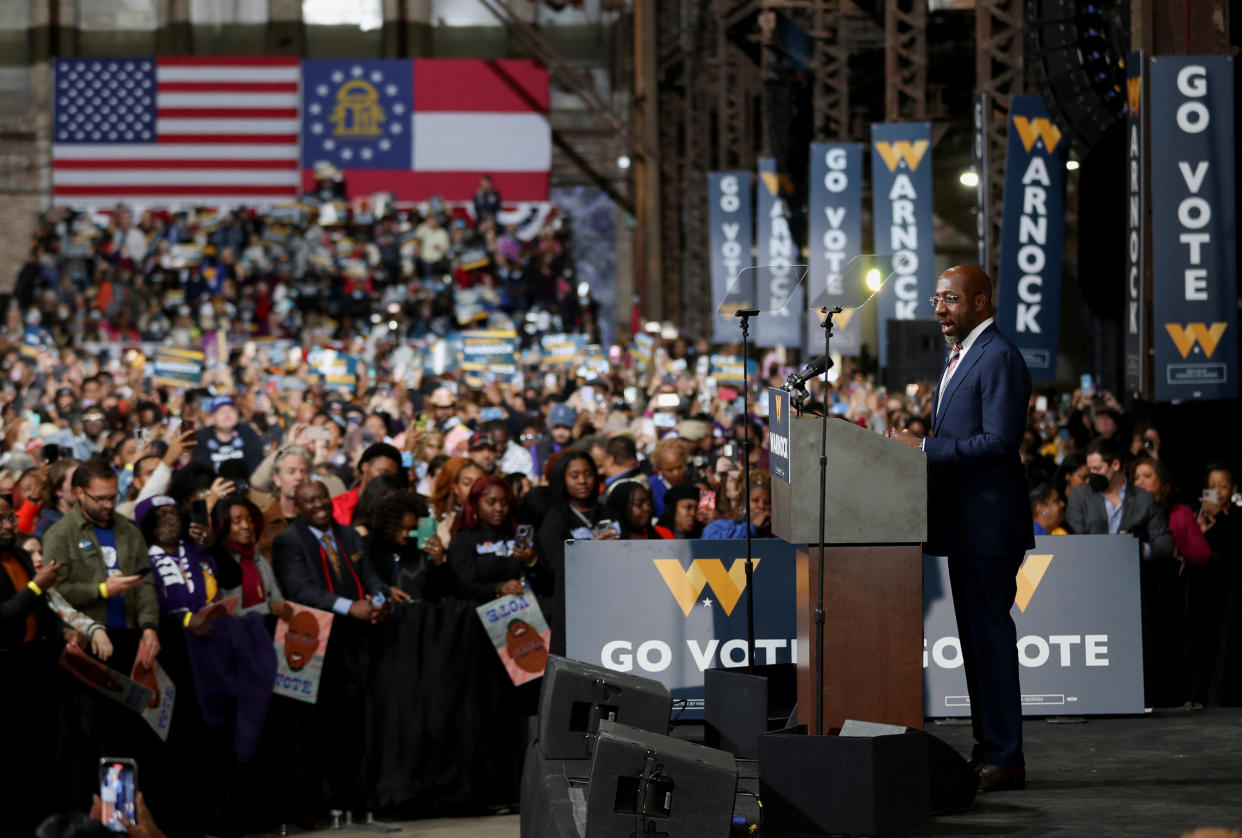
(299, 566)
(976, 489)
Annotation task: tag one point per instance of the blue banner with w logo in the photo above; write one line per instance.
(1033, 239)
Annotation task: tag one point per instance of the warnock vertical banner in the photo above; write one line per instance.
(1033, 235)
(728, 217)
(979, 158)
(835, 237)
(778, 253)
(901, 184)
(1135, 320)
(1193, 228)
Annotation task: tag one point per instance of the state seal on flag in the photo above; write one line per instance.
(357, 113)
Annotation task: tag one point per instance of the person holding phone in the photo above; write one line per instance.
(402, 556)
(485, 560)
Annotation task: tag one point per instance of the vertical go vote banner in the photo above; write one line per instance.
(1033, 235)
(1194, 232)
(778, 254)
(901, 184)
(729, 219)
(835, 236)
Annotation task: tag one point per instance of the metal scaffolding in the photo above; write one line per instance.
(999, 74)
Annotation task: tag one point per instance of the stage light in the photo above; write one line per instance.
(1071, 165)
(968, 179)
(874, 280)
(623, 162)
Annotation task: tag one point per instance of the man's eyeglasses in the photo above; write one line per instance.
(947, 299)
(104, 500)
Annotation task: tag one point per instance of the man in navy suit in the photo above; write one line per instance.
(978, 513)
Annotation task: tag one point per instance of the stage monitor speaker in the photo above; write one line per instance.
(843, 785)
(916, 352)
(741, 704)
(646, 785)
(575, 697)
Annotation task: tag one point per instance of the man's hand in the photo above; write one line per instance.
(120, 584)
(199, 625)
(282, 609)
(75, 638)
(46, 577)
(607, 535)
(398, 596)
(148, 647)
(101, 644)
(362, 609)
(512, 587)
(904, 437)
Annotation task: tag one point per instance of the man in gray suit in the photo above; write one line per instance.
(1109, 504)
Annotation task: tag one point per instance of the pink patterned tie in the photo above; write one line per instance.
(953, 359)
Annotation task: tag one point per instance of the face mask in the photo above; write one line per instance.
(1098, 482)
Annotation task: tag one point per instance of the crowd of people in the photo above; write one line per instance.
(132, 506)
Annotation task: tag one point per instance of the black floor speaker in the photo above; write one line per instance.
(575, 697)
(741, 704)
(646, 785)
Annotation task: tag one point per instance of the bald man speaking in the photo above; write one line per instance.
(978, 514)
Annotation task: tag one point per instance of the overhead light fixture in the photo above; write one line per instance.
(1071, 165)
(623, 162)
(968, 178)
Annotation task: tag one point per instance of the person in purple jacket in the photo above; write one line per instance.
(184, 573)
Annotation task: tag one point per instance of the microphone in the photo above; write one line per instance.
(816, 366)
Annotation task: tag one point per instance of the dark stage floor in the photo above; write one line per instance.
(1159, 775)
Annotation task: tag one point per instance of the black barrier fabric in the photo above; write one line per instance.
(448, 725)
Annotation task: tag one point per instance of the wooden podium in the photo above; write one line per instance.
(876, 521)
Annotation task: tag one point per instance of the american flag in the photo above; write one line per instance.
(175, 130)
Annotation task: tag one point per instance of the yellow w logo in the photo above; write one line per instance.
(1039, 128)
(1134, 91)
(894, 153)
(1029, 576)
(776, 184)
(1207, 336)
(686, 584)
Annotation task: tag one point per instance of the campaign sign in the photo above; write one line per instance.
(727, 370)
(158, 711)
(1080, 637)
(519, 633)
(1033, 235)
(730, 233)
(300, 646)
(834, 229)
(595, 359)
(901, 188)
(781, 303)
(670, 610)
(104, 679)
(489, 355)
(778, 434)
(561, 350)
(177, 368)
(1136, 229)
(643, 349)
(335, 369)
(1193, 227)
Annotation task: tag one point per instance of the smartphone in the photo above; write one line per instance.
(425, 532)
(50, 453)
(241, 487)
(588, 394)
(667, 400)
(1209, 496)
(379, 600)
(143, 571)
(187, 425)
(525, 537)
(1087, 384)
(118, 792)
(1041, 404)
(707, 500)
(607, 524)
(728, 450)
(198, 512)
(317, 433)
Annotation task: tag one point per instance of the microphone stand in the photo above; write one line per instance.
(823, 499)
(743, 316)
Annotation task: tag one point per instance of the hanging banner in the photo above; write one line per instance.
(1193, 228)
(834, 231)
(1136, 230)
(780, 324)
(1033, 238)
(901, 184)
(979, 158)
(731, 226)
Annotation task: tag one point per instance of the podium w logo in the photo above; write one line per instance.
(685, 584)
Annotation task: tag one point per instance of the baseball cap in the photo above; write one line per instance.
(561, 414)
(479, 439)
(219, 402)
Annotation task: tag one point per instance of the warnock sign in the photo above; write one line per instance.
(1033, 235)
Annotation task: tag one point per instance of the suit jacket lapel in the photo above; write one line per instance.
(963, 369)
